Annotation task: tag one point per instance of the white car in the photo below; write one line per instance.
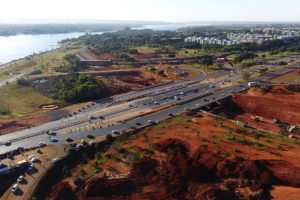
(92, 142)
(14, 188)
(31, 156)
(20, 179)
(79, 146)
(51, 133)
(156, 103)
(34, 159)
(54, 160)
(115, 132)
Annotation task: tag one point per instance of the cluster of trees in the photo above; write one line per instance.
(123, 56)
(206, 60)
(74, 63)
(4, 110)
(244, 56)
(79, 88)
(293, 88)
(127, 40)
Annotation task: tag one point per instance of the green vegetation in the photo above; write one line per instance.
(4, 110)
(244, 56)
(246, 75)
(79, 88)
(293, 88)
(170, 43)
(20, 101)
(37, 63)
(287, 78)
(263, 71)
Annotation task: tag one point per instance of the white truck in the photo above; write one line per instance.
(252, 84)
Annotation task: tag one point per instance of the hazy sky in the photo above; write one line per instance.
(154, 10)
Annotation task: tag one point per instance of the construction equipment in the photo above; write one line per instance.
(256, 118)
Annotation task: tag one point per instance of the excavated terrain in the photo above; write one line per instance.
(190, 157)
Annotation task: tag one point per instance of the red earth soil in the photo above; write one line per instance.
(278, 103)
(179, 167)
(187, 175)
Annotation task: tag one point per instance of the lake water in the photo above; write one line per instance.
(19, 46)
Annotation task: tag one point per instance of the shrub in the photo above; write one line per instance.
(5, 111)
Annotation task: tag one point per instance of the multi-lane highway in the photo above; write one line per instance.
(185, 94)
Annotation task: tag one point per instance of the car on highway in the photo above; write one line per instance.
(176, 97)
(115, 132)
(92, 118)
(151, 121)
(51, 133)
(133, 127)
(69, 139)
(20, 179)
(14, 188)
(138, 124)
(7, 143)
(54, 140)
(156, 103)
(90, 136)
(171, 114)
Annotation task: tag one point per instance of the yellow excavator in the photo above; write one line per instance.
(256, 118)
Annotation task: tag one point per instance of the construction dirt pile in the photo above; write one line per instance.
(200, 175)
(259, 107)
(193, 156)
(278, 103)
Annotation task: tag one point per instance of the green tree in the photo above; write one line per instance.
(246, 76)
(263, 71)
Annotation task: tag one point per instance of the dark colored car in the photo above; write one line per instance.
(91, 136)
(69, 139)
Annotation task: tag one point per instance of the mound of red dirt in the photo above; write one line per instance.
(186, 175)
(277, 103)
(64, 191)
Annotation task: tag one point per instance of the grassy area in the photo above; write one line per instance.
(51, 59)
(287, 78)
(261, 136)
(188, 52)
(146, 49)
(207, 69)
(22, 101)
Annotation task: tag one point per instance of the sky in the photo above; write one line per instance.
(153, 10)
